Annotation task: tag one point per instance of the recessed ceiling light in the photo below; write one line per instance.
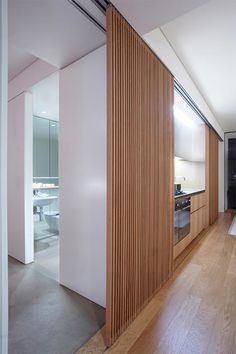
(44, 112)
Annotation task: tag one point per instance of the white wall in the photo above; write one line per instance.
(20, 196)
(190, 174)
(36, 72)
(82, 173)
(165, 52)
(3, 180)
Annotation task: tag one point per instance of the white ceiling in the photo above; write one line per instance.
(201, 32)
(46, 97)
(145, 15)
(52, 30)
(205, 41)
(18, 61)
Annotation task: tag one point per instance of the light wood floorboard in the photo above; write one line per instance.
(195, 312)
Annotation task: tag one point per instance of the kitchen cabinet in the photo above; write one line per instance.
(198, 222)
(198, 212)
(189, 132)
(198, 201)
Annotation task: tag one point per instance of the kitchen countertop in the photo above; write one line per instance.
(54, 187)
(190, 192)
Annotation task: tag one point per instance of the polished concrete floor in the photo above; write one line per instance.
(45, 317)
(41, 229)
(46, 256)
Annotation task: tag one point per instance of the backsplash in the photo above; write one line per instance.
(190, 174)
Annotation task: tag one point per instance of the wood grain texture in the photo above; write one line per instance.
(207, 174)
(213, 176)
(140, 200)
(197, 222)
(96, 344)
(198, 201)
(195, 311)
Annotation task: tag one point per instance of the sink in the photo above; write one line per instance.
(42, 201)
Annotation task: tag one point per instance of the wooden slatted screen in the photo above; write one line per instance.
(140, 175)
(213, 176)
(207, 175)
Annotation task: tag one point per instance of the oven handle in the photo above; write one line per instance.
(187, 207)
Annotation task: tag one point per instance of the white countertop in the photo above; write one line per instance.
(190, 192)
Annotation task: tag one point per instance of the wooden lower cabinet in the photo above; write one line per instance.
(198, 222)
(198, 201)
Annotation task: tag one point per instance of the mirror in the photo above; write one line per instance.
(45, 147)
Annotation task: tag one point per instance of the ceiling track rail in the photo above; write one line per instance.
(184, 94)
(101, 4)
(87, 14)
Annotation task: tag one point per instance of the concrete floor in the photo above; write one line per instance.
(46, 255)
(44, 317)
(41, 229)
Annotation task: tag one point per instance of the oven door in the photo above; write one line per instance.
(184, 222)
(176, 224)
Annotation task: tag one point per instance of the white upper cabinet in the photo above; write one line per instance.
(189, 132)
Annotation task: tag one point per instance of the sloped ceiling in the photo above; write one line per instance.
(18, 61)
(145, 15)
(52, 30)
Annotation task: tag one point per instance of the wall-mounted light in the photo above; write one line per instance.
(43, 112)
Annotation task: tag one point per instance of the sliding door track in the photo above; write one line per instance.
(100, 4)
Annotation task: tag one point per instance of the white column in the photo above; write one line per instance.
(3, 180)
(20, 193)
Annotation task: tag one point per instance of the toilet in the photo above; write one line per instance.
(52, 219)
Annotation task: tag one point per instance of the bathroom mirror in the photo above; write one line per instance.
(45, 147)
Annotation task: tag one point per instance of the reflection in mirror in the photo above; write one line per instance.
(45, 180)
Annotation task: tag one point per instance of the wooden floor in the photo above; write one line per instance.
(195, 312)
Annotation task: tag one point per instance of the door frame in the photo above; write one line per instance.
(3, 179)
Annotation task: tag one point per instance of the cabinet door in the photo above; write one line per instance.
(194, 224)
(198, 221)
(205, 217)
(202, 199)
(198, 201)
(194, 203)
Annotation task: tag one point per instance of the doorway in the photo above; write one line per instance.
(230, 170)
(46, 316)
(39, 307)
(45, 174)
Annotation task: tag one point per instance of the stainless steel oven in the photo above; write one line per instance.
(182, 218)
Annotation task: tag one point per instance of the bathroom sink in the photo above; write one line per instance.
(42, 201)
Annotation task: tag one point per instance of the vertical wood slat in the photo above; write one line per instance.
(213, 177)
(139, 174)
(212, 182)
